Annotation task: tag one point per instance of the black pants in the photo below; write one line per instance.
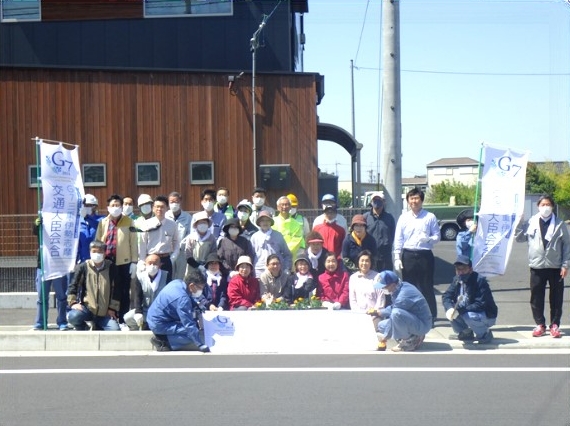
(384, 261)
(538, 280)
(166, 266)
(418, 270)
(124, 289)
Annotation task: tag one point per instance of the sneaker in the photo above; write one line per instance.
(65, 327)
(539, 330)
(408, 345)
(464, 335)
(381, 346)
(159, 345)
(555, 331)
(486, 338)
(37, 327)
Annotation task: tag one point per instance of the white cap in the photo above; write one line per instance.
(91, 200)
(144, 199)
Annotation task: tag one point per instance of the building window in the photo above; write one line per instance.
(34, 173)
(148, 174)
(187, 8)
(94, 174)
(20, 10)
(201, 172)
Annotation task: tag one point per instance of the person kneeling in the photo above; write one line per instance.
(408, 319)
(469, 304)
(173, 315)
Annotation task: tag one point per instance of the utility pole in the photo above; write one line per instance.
(391, 139)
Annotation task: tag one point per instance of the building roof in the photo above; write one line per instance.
(455, 161)
(416, 180)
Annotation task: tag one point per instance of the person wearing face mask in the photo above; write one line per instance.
(200, 243)
(217, 219)
(87, 226)
(184, 221)
(469, 304)
(233, 245)
(222, 205)
(298, 216)
(243, 215)
(330, 214)
(258, 205)
(122, 248)
(408, 319)
(332, 232)
(381, 226)
(148, 284)
(268, 241)
(92, 295)
(128, 207)
(173, 315)
(464, 239)
(291, 230)
(549, 260)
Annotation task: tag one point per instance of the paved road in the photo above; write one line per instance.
(395, 389)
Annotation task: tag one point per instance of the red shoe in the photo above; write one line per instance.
(554, 331)
(539, 330)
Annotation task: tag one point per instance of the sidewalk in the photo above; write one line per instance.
(16, 335)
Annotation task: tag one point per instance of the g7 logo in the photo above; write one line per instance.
(58, 160)
(505, 164)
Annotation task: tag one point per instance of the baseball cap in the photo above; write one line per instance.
(385, 278)
(377, 194)
(462, 260)
(328, 197)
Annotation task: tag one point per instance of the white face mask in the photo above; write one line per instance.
(293, 210)
(115, 211)
(243, 216)
(202, 227)
(208, 205)
(127, 210)
(545, 211)
(152, 270)
(233, 232)
(97, 257)
(222, 199)
(175, 207)
(84, 211)
(146, 209)
(258, 201)
(197, 294)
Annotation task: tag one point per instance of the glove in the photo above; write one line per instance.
(451, 314)
(398, 265)
(141, 266)
(327, 304)
(336, 306)
(204, 349)
(372, 312)
(473, 228)
(138, 319)
(133, 270)
(192, 262)
(233, 274)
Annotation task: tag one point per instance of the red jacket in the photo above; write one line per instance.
(333, 236)
(333, 287)
(243, 291)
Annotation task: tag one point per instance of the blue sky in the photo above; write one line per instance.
(472, 71)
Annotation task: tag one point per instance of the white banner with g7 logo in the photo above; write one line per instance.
(502, 205)
(63, 193)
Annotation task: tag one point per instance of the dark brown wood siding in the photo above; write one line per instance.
(121, 118)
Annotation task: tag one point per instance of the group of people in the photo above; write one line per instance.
(162, 269)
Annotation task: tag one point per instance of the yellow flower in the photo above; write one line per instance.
(278, 300)
(258, 304)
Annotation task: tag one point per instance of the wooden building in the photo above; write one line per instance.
(144, 98)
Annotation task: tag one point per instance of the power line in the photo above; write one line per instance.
(506, 74)
(361, 31)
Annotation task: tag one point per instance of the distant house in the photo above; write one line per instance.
(459, 169)
(419, 182)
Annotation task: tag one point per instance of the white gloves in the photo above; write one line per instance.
(398, 265)
(327, 304)
(451, 314)
(233, 274)
(473, 228)
(133, 270)
(336, 306)
(141, 266)
(138, 319)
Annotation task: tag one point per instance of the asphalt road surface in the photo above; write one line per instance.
(205, 389)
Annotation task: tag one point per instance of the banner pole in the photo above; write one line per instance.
(40, 237)
(475, 202)
(58, 142)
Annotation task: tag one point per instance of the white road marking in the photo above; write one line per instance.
(292, 370)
